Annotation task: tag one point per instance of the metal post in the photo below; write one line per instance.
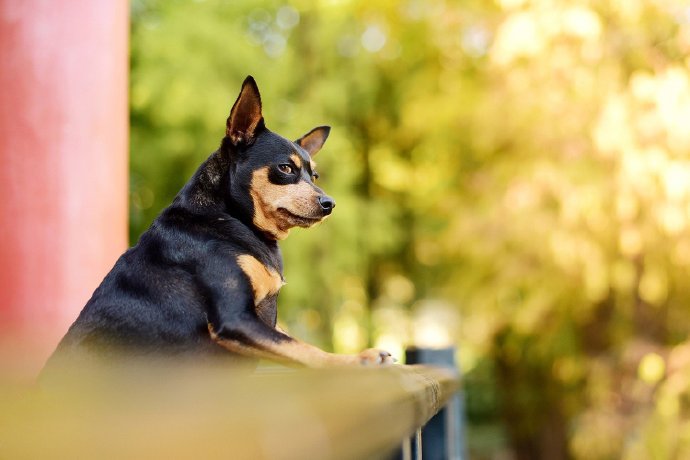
(444, 434)
(63, 180)
(417, 444)
(411, 448)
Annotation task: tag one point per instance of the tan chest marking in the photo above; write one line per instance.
(265, 281)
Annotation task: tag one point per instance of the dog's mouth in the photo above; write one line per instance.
(299, 220)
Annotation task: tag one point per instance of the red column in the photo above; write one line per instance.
(63, 170)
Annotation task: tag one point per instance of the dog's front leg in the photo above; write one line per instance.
(252, 337)
(233, 323)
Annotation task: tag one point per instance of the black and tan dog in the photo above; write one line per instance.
(205, 277)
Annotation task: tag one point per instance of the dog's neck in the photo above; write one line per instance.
(207, 193)
(204, 191)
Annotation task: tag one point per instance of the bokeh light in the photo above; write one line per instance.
(512, 177)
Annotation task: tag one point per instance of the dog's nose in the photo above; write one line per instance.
(327, 204)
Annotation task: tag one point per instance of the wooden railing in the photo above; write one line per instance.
(213, 412)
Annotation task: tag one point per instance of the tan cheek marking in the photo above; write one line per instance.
(297, 198)
(264, 194)
(297, 160)
(265, 281)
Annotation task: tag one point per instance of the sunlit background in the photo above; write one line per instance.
(512, 177)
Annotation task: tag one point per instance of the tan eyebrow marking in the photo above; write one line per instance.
(297, 160)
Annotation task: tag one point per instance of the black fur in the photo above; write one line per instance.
(182, 275)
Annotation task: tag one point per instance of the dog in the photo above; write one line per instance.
(204, 278)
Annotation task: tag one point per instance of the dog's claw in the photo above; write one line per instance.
(375, 357)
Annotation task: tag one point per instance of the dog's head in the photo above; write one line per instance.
(272, 178)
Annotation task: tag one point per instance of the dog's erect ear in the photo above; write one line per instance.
(245, 116)
(314, 139)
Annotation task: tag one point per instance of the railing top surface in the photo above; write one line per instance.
(213, 412)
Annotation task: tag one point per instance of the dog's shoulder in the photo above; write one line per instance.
(181, 237)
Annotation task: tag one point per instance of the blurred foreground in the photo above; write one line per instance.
(184, 410)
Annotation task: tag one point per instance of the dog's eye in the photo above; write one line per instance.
(285, 168)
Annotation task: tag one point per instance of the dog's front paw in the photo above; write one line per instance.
(375, 357)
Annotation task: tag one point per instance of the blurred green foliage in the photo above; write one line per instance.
(510, 176)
